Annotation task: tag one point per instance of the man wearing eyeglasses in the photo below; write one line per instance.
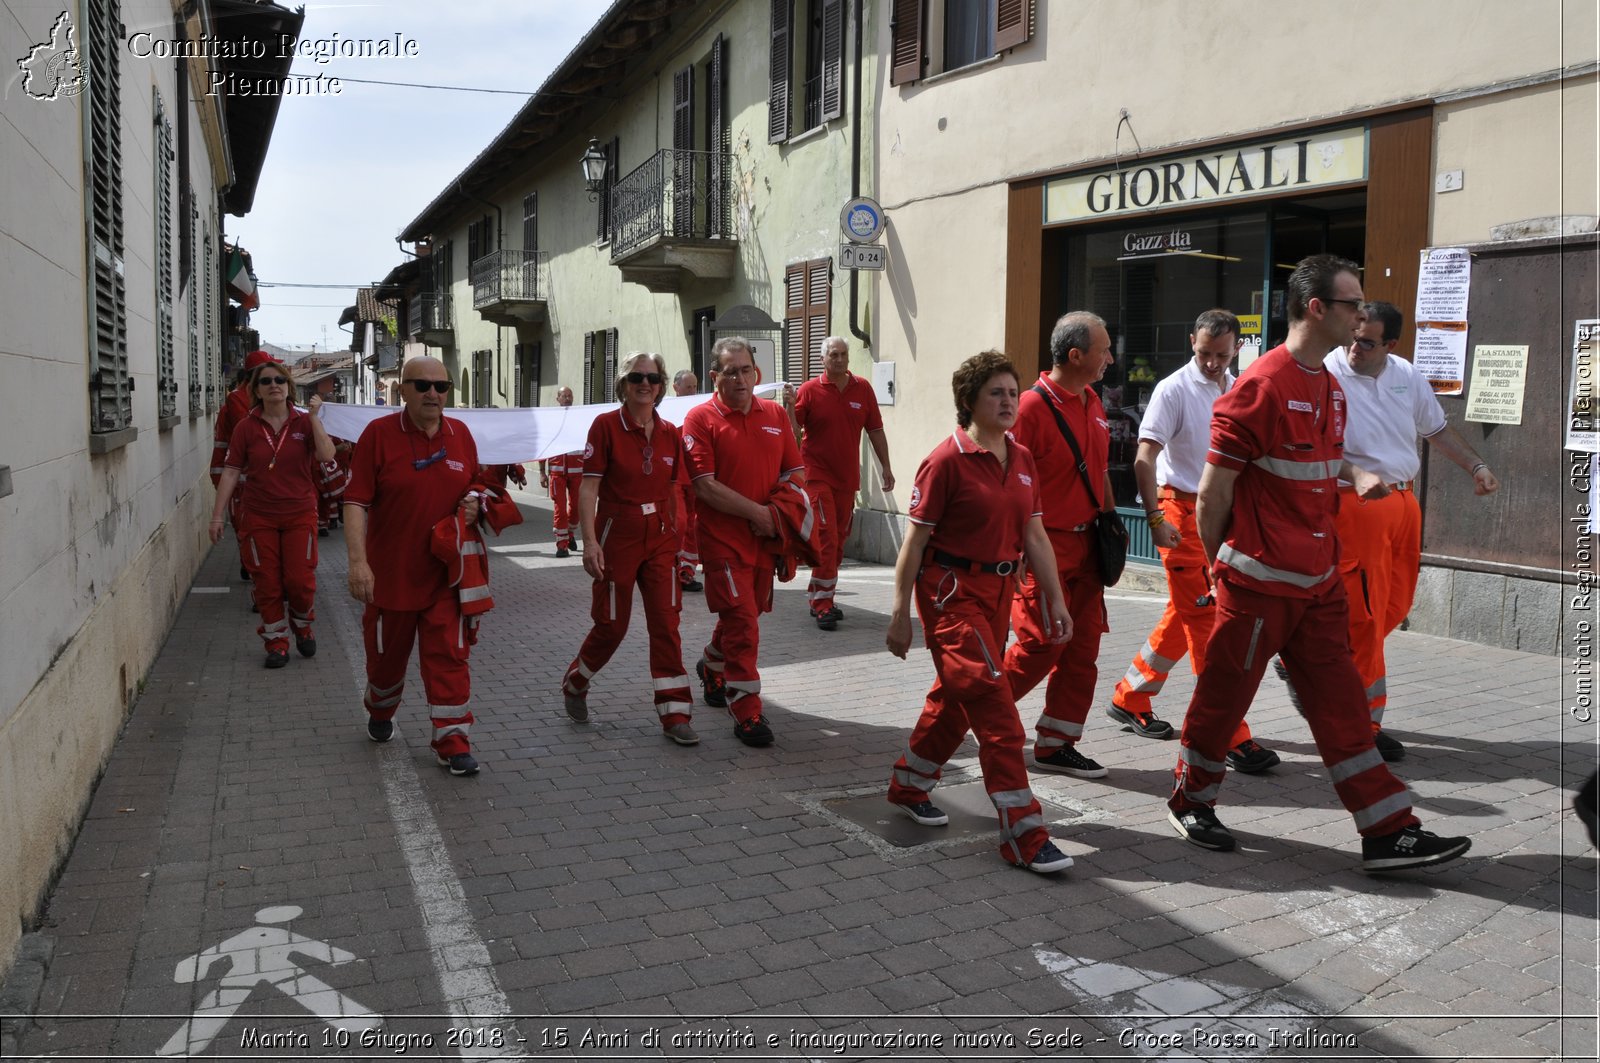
(739, 449)
(1391, 406)
(1173, 436)
(1266, 517)
(563, 475)
(830, 412)
(411, 470)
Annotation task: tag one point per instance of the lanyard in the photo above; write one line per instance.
(267, 429)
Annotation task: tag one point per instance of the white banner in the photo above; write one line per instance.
(507, 436)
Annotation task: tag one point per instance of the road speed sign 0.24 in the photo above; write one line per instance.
(862, 256)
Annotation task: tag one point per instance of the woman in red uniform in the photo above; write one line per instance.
(281, 450)
(974, 512)
(627, 508)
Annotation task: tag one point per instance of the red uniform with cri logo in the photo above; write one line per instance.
(635, 530)
(408, 482)
(277, 522)
(833, 420)
(978, 510)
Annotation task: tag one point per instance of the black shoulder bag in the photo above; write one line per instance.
(1110, 534)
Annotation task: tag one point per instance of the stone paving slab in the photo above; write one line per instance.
(599, 893)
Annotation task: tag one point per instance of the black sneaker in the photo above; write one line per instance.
(1282, 672)
(1202, 827)
(713, 688)
(307, 647)
(322, 533)
(1389, 748)
(277, 658)
(1146, 726)
(926, 813)
(694, 586)
(1251, 757)
(562, 551)
(459, 764)
(753, 732)
(825, 621)
(1408, 848)
(1048, 860)
(835, 612)
(577, 705)
(379, 730)
(1068, 761)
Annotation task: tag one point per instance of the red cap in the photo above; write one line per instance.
(256, 358)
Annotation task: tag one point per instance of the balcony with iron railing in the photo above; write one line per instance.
(436, 326)
(512, 287)
(672, 219)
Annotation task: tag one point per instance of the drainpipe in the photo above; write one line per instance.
(855, 172)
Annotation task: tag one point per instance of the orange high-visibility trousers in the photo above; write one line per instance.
(1380, 555)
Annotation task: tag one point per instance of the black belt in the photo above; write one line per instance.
(999, 568)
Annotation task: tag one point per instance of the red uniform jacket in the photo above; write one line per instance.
(799, 538)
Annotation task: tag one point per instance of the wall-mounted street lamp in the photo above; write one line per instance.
(594, 168)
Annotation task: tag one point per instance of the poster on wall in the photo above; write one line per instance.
(1583, 398)
(1443, 280)
(1441, 357)
(1499, 381)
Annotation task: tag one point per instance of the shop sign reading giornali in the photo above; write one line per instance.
(1218, 175)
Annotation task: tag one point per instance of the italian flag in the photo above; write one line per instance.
(241, 285)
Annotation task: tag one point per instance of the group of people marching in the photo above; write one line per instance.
(1281, 503)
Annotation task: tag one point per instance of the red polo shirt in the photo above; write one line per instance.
(616, 454)
(281, 465)
(834, 420)
(977, 508)
(747, 452)
(1067, 503)
(403, 503)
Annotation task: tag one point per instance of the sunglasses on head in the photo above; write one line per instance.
(270, 380)
(422, 386)
(644, 378)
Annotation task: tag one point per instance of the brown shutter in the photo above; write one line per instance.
(832, 59)
(1013, 23)
(819, 294)
(794, 323)
(779, 91)
(905, 41)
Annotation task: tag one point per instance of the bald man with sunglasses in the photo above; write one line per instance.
(410, 470)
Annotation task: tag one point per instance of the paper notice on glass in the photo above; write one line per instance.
(1499, 380)
(1441, 358)
(1583, 395)
(1442, 283)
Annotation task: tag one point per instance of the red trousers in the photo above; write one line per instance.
(738, 594)
(688, 541)
(1311, 635)
(1380, 556)
(836, 511)
(281, 553)
(638, 548)
(564, 493)
(1185, 625)
(440, 633)
(964, 624)
(1071, 665)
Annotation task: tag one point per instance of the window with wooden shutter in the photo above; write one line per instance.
(110, 383)
(166, 371)
(611, 365)
(808, 293)
(683, 159)
(526, 379)
(905, 41)
(197, 377)
(779, 73)
(587, 395)
(210, 278)
(719, 222)
(1013, 23)
(833, 59)
(530, 222)
(185, 189)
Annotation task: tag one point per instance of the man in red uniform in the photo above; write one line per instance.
(1266, 516)
(829, 414)
(1080, 353)
(739, 448)
(234, 409)
(686, 383)
(411, 470)
(563, 475)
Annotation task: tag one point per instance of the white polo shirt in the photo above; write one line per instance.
(1179, 418)
(1386, 415)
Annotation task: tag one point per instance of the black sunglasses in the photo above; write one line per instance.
(644, 378)
(422, 463)
(270, 380)
(422, 386)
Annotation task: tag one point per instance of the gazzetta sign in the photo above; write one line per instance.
(1305, 162)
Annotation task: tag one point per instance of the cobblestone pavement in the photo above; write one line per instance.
(257, 880)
